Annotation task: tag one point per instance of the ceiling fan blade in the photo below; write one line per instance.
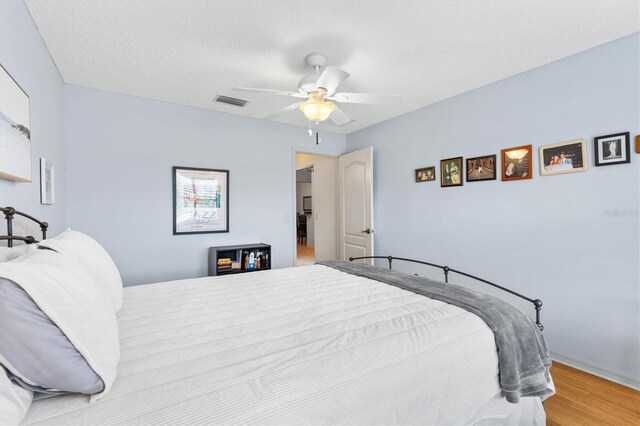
(283, 111)
(269, 91)
(365, 98)
(339, 118)
(331, 78)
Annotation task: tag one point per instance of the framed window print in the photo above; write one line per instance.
(612, 149)
(565, 157)
(200, 200)
(516, 163)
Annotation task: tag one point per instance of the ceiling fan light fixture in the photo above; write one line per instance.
(317, 111)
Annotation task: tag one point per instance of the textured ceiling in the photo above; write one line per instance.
(187, 52)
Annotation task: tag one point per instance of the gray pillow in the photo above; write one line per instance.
(29, 341)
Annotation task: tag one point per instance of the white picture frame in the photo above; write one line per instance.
(15, 130)
(564, 157)
(47, 182)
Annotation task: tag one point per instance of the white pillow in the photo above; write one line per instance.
(67, 295)
(94, 259)
(10, 253)
(14, 401)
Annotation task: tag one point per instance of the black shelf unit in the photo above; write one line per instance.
(239, 253)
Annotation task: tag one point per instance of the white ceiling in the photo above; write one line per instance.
(187, 52)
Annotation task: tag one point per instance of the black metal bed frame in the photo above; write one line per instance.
(9, 213)
(537, 303)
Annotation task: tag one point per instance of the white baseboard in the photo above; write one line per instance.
(596, 371)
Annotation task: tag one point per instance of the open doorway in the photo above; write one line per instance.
(304, 217)
(316, 208)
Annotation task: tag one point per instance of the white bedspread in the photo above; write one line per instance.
(303, 345)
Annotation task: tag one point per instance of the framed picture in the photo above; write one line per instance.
(200, 200)
(15, 130)
(565, 157)
(516, 163)
(613, 149)
(451, 172)
(425, 174)
(306, 204)
(46, 182)
(481, 168)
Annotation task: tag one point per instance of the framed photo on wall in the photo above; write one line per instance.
(564, 157)
(481, 168)
(306, 204)
(425, 174)
(15, 130)
(451, 172)
(200, 200)
(47, 193)
(612, 149)
(516, 163)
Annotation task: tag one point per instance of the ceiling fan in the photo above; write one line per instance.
(319, 90)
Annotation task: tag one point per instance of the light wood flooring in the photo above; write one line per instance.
(584, 399)
(306, 255)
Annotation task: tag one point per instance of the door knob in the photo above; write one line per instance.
(367, 231)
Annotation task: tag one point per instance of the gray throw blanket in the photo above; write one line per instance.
(522, 351)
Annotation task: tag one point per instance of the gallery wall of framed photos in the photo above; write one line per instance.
(559, 236)
(517, 162)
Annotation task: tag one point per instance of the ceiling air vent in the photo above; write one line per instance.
(231, 101)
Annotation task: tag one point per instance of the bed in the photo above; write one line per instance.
(307, 345)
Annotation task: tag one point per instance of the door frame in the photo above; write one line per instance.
(308, 151)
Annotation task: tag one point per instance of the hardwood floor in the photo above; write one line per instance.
(584, 399)
(306, 255)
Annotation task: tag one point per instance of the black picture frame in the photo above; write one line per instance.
(216, 200)
(306, 204)
(425, 174)
(622, 149)
(449, 168)
(483, 168)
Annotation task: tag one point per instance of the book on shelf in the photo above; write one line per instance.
(224, 261)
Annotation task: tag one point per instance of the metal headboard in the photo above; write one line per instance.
(537, 303)
(9, 213)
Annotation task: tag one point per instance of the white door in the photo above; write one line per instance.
(355, 183)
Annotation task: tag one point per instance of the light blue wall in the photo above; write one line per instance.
(120, 151)
(24, 55)
(570, 240)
